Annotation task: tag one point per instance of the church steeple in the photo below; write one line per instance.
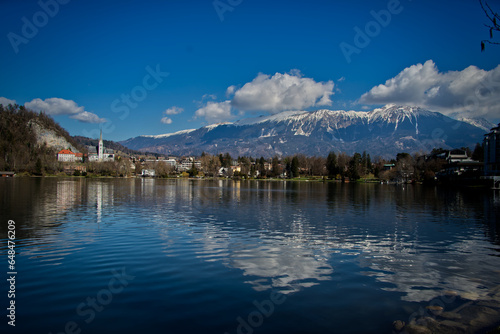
(100, 152)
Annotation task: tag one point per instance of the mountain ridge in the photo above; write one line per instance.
(382, 131)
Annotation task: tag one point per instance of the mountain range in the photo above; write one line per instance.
(383, 131)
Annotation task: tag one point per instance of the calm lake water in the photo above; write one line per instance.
(189, 256)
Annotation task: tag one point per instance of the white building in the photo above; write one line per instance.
(66, 156)
(186, 164)
(148, 173)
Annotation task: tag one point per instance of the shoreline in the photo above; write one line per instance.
(481, 315)
(479, 185)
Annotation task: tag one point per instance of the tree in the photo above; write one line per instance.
(138, 168)
(295, 167)
(401, 156)
(225, 160)
(332, 165)
(478, 153)
(366, 164)
(19, 149)
(193, 171)
(317, 166)
(378, 165)
(245, 165)
(343, 161)
(261, 167)
(38, 167)
(405, 166)
(303, 161)
(288, 168)
(210, 164)
(493, 25)
(275, 167)
(162, 169)
(354, 166)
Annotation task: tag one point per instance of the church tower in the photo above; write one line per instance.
(100, 151)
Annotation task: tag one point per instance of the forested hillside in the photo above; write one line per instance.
(20, 150)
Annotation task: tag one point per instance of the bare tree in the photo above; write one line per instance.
(318, 166)
(162, 169)
(210, 164)
(493, 25)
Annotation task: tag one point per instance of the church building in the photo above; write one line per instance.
(100, 153)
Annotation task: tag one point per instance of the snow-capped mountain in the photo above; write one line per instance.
(479, 122)
(383, 131)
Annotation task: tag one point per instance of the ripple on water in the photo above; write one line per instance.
(200, 263)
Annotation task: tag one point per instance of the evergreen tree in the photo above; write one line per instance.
(332, 165)
(38, 167)
(354, 165)
(478, 153)
(295, 167)
(275, 167)
(193, 171)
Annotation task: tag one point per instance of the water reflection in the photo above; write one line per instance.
(286, 236)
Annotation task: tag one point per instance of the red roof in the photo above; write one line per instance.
(65, 152)
(79, 155)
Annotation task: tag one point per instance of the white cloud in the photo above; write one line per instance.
(472, 92)
(173, 111)
(272, 94)
(230, 90)
(281, 92)
(58, 106)
(55, 106)
(166, 120)
(208, 97)
(87, 117)
(215, 112)
(5, 101)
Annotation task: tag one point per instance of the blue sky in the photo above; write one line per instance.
(104, 64)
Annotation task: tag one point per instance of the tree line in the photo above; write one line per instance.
(418, 167)
(19, 148)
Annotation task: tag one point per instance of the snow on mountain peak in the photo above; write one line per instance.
(213, 126)
(394, 114)
(169, 134)
(271, 118)
(384, 131)
(479, 122)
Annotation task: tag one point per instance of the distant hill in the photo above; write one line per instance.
(383, 131)
(117, 147)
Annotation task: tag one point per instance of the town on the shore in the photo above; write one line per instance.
(458, 166)
(22, 154)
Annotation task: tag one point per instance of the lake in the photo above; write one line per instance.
(222, 256)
